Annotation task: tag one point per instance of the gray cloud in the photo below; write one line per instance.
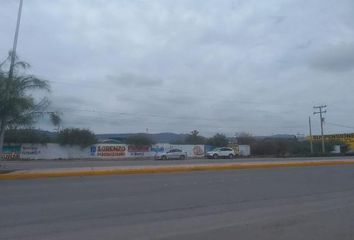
(230, 66)
(337, 58)
(133, 80)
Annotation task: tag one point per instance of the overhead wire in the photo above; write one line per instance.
(339, 125)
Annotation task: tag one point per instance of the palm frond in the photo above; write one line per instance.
(17, 106)
(29, 82)
(55, 118)
(21, 64)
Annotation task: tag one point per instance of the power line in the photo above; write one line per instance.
(340, 125)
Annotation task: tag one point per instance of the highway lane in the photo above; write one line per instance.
(287, 203)
(47, 164)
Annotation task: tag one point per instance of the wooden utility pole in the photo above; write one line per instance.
(321, 111)
(13, 52)
(311, 145)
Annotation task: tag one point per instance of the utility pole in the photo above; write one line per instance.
(321, 111)
(11, 71)
(311, 145)
(13, 53)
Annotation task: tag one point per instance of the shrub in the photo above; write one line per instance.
(76, 136)
(218, 140)
(194, 138)
(27, 136)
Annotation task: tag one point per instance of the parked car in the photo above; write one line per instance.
(171, 154)
(223, 152)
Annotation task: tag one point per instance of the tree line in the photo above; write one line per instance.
(286, 146)
(259, 147)
(67, 136)
(267, 146)
(218, 140)
(85, 137)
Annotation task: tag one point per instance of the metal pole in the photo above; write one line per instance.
(321, 121)
(13, 53)
(311, 145)
(322, 138)
(12, 63)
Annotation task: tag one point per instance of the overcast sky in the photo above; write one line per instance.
(212, 65)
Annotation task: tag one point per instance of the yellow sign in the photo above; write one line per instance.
(346, 138)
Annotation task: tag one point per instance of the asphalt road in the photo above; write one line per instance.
(286, 203)
(47, 164)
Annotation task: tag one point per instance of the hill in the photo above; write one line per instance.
(156, 137)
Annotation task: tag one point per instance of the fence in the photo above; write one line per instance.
(100, 151)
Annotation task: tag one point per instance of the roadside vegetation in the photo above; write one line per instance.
(285, 147)
(264, 146)
(67, 136)
(28, 136)
(18, 106)
(194, 138)
(76, 136)
(259, 146)
(218, 140)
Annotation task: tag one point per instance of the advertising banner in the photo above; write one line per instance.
(191, 150)
(11, 152)
(346, 138)
(160, 147)
(139, 151)
(30, 150)
(109, 150)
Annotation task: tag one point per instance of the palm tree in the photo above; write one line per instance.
(17, 106)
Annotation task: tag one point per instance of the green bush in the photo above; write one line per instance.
(27, 136)
(194, 138)
(290, 147)
(76, 136)
(218, 140)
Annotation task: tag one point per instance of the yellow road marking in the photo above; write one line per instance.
(165, 169)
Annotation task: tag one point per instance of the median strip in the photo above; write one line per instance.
(97, 171)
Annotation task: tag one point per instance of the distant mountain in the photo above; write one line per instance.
(276, 136)
(156, 137)
(174, 137)
(283, 136)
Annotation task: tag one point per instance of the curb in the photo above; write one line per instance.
(166, 169)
